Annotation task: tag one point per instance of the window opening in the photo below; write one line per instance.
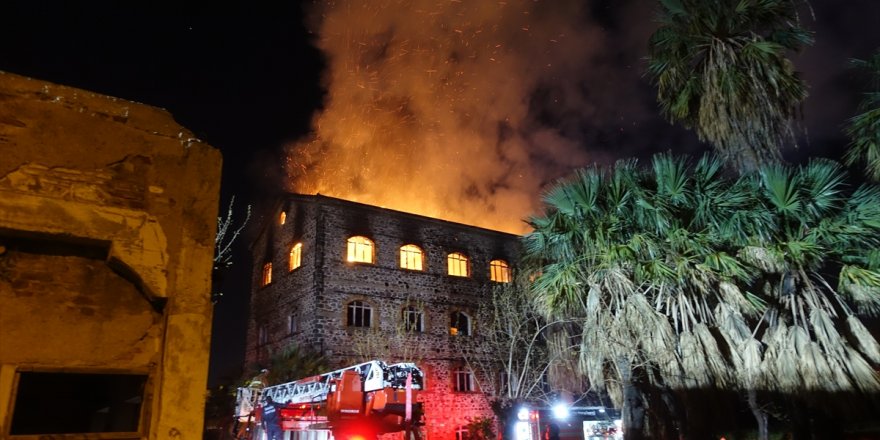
(499, 271)
(267, 274)
(77, 403)
(359, 314)
(360, 249)
(464, 380)
(411, 257)
(459, 324)
(457, 264)
(413, 319)
(295, 256)
(262, 335)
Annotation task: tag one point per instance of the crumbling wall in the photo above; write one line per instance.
(107, 222)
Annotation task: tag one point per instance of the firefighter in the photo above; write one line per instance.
(260, 381)
(552, 432)
(271, 421)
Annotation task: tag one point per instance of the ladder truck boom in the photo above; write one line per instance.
(359, 401)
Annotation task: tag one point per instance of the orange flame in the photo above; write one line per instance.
(428, 108)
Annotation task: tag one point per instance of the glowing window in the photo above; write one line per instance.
(499, 271)
(267, 274)
(463, 380)
(282, 218)
(359, 314)
(295, 256)
(458, 264)
(360, 249)
(411, 257)
(459, 324)
(413, 319)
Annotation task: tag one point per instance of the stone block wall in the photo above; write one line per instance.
(108, 211)
(318, 292)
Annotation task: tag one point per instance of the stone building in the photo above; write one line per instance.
(356, 282)
(107, 220)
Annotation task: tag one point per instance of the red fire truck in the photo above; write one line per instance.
(358, 402)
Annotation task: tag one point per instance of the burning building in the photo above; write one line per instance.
(107, 219)
(355, 282)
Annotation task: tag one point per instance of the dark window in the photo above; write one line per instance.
(413, 320)
(76, 403)
(464, 380)
(359, 314)
(459, 324)
(262, 335)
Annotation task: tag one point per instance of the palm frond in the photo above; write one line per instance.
(864, 340)
(864, 128)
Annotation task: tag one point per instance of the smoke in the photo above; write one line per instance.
(461, 110)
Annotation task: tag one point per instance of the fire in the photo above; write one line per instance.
(431, 107)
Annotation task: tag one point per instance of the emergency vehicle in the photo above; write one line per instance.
(358, 402)
(562, 422)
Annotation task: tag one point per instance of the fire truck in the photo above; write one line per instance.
(358, 402)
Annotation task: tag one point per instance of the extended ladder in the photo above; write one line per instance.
(375, 375)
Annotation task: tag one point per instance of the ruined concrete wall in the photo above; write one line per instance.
(107, 222)
(386, 287)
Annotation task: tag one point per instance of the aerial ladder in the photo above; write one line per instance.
(358, 402)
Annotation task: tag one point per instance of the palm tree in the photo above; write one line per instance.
(294, 363)
(683, 278)
(626, 251)
(864, 128)
(720, 67)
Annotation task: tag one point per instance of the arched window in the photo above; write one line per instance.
(413, 319)
(458, 264)
(499, 271)
(282, 218)
(411, 257)
(360, 314)
(295, 256)
(463, 380)
(459, 324)
(267, 274)
(360, 249)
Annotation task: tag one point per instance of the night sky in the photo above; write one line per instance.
(250, 79)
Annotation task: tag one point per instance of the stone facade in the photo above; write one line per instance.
(107, 222)
(317, 294)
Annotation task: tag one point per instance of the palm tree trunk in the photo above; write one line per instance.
(633, 404)
(674, 408)
(760, 415)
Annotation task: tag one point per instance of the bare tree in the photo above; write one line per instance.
(399, 345)
(227, 233)
(519, 356)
